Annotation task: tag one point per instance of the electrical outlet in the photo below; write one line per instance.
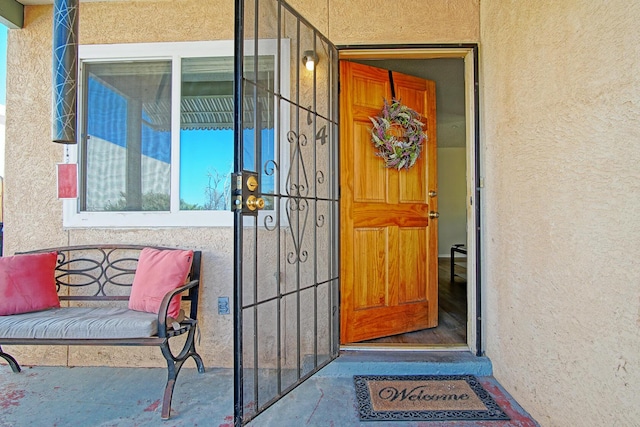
(223, 305)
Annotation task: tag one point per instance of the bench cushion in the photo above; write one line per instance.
(27, 283)
(159, 272)
(80, 322)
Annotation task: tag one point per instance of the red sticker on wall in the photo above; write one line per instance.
(67, 180)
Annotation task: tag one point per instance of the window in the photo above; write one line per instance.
(156, 126)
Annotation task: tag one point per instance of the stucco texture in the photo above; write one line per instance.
(33, 214)
(401, 21)
(560, 110)
(560, 113)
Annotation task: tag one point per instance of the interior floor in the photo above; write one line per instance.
(452, 314)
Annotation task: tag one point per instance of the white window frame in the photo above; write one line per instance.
(174, 52)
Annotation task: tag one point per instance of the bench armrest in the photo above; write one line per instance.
(164, 306)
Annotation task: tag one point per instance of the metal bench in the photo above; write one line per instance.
(101, 277)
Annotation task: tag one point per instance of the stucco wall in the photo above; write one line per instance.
(560, 94)
(560, 99)
(34, 215)
(403, 21)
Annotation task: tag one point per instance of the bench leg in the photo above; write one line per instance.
(174, 364)
(166, 399)
(12, 362)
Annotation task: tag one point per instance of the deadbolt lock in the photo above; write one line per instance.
(244, 193)
(254, 203)
(252, 183)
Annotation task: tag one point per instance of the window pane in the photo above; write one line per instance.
(206, 134)
(267, 143)
(258, 132)
(127, 149)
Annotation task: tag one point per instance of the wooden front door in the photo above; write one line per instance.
(389, 248)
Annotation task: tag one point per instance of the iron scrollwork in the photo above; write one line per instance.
(297, 206)
(270, 222)
(298, 197)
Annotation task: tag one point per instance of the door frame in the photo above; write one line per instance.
(469, 53)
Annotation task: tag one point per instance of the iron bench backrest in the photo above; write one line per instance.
(106, 272)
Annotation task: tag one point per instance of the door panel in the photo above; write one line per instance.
(389, 243)
(413, 278)
(369, 186)
(286, 276)
(372, 244)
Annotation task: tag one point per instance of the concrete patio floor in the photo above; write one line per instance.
(108, 396)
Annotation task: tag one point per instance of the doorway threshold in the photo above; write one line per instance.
(383, 362)
(404, 347)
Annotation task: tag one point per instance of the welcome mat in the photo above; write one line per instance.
(424, 398)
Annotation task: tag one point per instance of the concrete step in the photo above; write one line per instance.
(351, 363)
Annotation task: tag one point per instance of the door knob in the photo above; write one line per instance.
(433, 193)
(254, 203)
(434, 215)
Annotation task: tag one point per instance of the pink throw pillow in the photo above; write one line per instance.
(159, 272)
(27, 283)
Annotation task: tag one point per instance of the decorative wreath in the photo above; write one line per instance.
(397, 135)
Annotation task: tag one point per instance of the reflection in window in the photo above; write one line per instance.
(206, 135)
(127, 143)
(135, 156)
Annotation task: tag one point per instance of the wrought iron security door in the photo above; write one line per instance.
(285, 199)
